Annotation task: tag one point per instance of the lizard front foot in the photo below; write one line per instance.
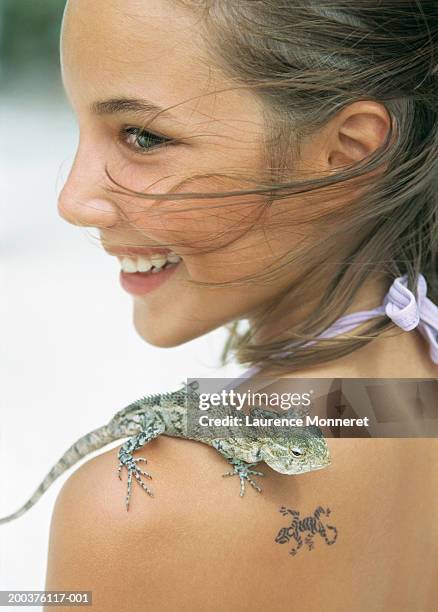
(242, 469)
(127, 460)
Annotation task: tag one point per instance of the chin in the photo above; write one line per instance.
(163, 334)
(166, 339)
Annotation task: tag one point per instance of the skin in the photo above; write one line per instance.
(154, 50)
(198, 546)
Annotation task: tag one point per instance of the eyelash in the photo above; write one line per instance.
(138, 133)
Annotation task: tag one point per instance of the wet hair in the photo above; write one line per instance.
(306, 60)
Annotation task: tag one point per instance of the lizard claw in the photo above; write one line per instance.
(130, 463)
(242, 469)
(134, 469)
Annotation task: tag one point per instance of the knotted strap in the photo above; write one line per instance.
(409, 312)
(403, 308)
(400, 305)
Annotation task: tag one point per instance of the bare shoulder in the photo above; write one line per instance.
(165, 546)
(179, 548)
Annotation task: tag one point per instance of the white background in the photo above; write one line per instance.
(70, 356)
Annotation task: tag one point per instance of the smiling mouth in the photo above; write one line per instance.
(140, 275)
(154, 263)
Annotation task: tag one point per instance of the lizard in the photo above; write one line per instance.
(303, 450)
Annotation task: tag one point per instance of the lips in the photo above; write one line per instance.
(140, 284)
(134, 251)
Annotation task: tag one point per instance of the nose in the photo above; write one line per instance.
(82, 203)
(93, 213)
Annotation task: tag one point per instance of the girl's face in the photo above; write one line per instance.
(120, 57)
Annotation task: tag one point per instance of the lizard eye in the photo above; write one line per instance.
(296, 452)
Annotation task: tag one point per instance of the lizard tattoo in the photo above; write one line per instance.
(312, 524)
(302, 451)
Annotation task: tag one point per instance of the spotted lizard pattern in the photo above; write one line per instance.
(304, 450)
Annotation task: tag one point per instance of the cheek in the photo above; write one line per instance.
(219, 239)
(190, 225)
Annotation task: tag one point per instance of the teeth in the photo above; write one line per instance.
(143, 264)
(158, 260)
(129, 265)
(153, 263)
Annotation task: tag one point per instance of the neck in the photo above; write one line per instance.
(273, 326)
(394, 354)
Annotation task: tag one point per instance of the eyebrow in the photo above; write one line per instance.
(127, 105)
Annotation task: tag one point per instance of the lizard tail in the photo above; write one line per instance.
(92, 441)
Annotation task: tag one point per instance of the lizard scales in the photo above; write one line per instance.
(166, 414)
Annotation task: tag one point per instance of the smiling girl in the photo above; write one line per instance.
(274, 163)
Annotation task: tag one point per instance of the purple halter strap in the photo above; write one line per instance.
(401, 306)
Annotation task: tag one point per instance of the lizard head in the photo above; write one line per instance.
(303, 450)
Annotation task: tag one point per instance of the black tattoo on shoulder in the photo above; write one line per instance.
(311, 524)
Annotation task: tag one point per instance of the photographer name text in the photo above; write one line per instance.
(249, 421)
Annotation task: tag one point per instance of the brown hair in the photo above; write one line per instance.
(307, 59)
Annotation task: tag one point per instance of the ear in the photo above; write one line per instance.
(355, 133)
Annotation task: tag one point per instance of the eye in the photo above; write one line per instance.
(296, 452)
(142, 141)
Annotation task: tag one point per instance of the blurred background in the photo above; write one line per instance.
(70, 357)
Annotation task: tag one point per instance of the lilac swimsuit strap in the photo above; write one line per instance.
(401, 306)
